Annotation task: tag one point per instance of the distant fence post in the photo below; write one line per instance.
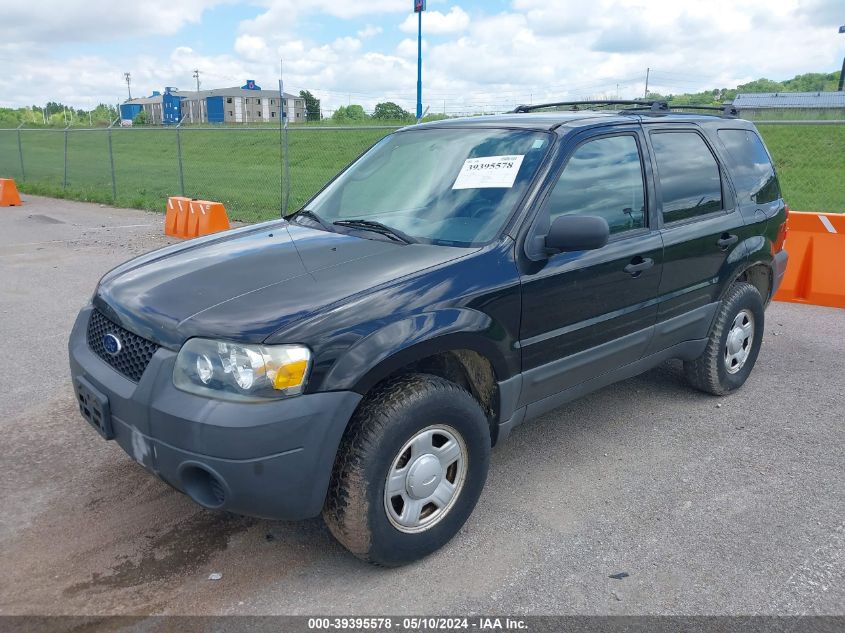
(64, 180)
(179, 156)
(111, 162)
(20, 152)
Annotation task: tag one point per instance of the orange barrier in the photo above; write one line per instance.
(177, 215)
(816, 270)
(210, 217)
(9, 196)
(192, 218)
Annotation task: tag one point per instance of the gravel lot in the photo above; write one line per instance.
(712, 506)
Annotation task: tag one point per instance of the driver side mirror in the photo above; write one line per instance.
(576, 233)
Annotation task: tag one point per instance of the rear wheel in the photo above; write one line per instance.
(409, 470)
(733, 345)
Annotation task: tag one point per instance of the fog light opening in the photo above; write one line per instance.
(203, 486)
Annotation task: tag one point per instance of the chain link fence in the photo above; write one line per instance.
(254, 172)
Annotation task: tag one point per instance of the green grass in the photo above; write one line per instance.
(241, 167)
(237, 167)
(810, 160)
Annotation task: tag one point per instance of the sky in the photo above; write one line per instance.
(478, 55)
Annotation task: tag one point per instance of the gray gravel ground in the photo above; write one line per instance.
(712, 506)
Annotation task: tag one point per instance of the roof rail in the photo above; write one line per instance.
(653, 105)
(638, 105)
(727, 110)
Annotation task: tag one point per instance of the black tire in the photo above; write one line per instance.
(710, 371)
(355, 509)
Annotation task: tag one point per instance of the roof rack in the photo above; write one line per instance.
(638, 105)
(653, 105)
(727, 110)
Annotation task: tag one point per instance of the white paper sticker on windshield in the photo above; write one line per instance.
(488, 172)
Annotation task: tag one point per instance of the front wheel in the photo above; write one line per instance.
(409, 470)
(733, 345)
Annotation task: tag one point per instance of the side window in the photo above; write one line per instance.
(689, 175)
(751, 167)
(603, 177)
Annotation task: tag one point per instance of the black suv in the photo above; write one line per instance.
(361, 357)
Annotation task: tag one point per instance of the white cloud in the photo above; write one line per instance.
(79, 21)
(533, 49)
(408, 47)
(252, 47)
(437, 23)
(369, 31)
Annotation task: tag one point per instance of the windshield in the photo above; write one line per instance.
(442, 186)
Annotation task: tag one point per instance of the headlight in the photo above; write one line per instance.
(236, 372)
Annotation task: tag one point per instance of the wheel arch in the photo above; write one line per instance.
(758, 274)
(460, 345)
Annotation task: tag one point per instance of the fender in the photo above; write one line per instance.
(413, 338)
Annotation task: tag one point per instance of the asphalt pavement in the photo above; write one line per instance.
(710, 505)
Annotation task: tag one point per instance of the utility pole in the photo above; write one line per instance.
(647, 72)
(128, 78)
(842, 72)
(197, 77)
(419, 7)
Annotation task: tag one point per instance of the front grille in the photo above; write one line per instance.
(135, 352)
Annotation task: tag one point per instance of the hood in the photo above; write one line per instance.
(247, 284)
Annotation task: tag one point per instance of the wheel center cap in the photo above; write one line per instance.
(735, 341)
(424, 476)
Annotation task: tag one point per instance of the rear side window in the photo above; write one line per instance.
(689, 175)
(603, 177)
(752, 170)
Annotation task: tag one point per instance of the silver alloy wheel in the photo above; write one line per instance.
(739, 341)
(425, 478)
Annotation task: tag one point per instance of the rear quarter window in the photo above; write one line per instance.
(689, 176)
(750, 165)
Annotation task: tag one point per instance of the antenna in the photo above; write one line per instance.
(128, 78)
(196, 76)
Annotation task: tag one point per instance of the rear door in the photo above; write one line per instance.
(703, 231)
(588, 312)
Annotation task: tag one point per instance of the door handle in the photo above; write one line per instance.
(638, 265)
(727, 240)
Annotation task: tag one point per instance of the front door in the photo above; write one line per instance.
(585, 313)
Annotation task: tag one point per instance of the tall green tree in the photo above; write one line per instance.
(350, 113)
(312, 105)
(389, 111)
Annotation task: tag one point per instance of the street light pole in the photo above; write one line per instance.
(419, 7)
(842, 72)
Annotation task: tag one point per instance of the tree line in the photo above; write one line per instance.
(56, 114)
(809, 82)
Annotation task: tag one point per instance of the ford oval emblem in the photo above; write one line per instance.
(112, 344)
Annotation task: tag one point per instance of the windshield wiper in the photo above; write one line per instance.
(307, 213)
(377, 227)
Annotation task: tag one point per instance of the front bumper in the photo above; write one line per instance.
(270, 460)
